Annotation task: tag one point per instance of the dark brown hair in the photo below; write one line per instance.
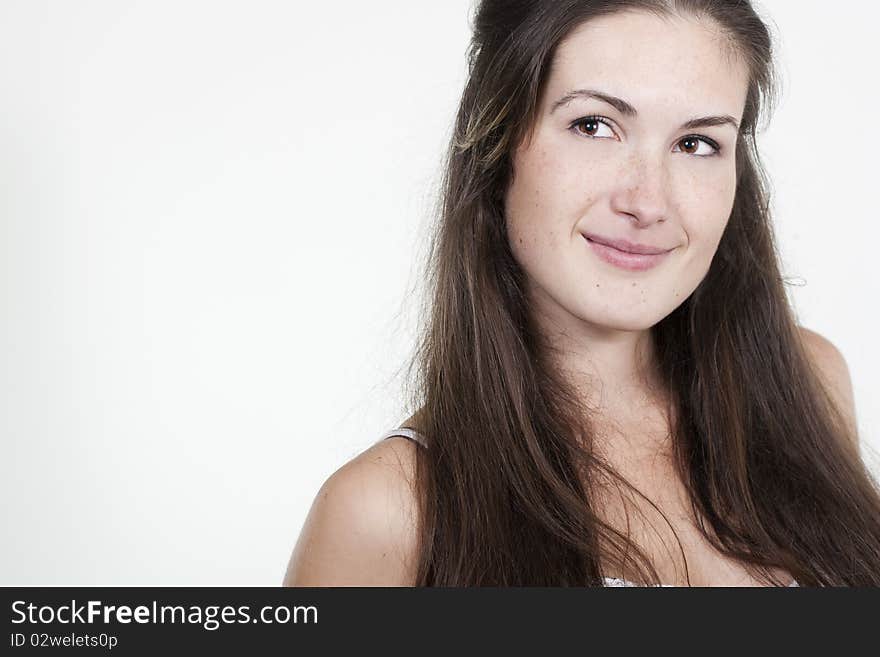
(504, 486)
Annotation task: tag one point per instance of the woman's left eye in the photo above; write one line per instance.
(691, 146)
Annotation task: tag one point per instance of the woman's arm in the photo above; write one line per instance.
(835, 374)
(361, 529)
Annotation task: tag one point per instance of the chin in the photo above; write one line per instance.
(623, 322)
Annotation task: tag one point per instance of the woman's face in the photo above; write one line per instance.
(636, 172)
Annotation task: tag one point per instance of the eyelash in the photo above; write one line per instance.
(601, 119)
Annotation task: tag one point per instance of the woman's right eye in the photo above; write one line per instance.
(591, 126)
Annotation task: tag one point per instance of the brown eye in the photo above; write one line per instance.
(591, 126)
(690, 145)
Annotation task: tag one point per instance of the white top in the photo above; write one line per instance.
(418, 438)
(406, 432)
(616, 581)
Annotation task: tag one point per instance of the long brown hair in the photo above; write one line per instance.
(503, 487)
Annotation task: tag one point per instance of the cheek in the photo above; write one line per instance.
(704, 219)
(547, 198)
(530, 205)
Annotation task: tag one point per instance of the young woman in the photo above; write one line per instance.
(612, 387)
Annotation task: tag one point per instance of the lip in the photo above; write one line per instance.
(625, 246)
(626, 255)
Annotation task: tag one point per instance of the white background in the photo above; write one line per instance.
(212, 217)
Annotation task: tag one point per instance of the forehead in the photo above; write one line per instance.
(651, 61)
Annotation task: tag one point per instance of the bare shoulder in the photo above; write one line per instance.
(833, 369)
(361, 529)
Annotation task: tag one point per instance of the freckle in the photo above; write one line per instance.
(597, 285)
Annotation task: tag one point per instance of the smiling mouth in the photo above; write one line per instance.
(627, 260)
(626, 246)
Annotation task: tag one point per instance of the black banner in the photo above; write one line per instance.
(124, 621)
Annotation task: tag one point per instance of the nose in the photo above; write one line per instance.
(643, 191)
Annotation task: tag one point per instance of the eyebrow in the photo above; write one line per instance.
(628, 110)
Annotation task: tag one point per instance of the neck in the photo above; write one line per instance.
(610, 367)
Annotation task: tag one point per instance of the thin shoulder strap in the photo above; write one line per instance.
(406, 432)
